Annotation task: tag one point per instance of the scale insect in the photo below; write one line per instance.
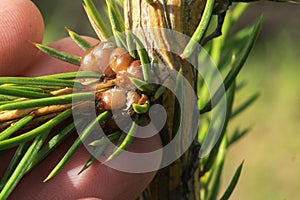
(115, 64)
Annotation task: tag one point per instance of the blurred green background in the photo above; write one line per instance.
(271, 150)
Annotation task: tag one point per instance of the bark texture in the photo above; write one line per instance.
(179, 180)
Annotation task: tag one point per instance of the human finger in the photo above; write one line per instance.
(98, 181)
(20, 24)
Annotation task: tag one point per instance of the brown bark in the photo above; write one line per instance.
(182, 16)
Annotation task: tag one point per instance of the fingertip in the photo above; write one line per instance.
(20, 24)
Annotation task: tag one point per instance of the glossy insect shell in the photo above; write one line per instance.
(97, 59)
(120, 60)
(113, 99)
(134, 70)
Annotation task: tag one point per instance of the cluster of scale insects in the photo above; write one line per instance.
(117, 66)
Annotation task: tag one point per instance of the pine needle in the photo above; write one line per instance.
(80, 41)
(77, 144)
(126, 142)
(64, 56)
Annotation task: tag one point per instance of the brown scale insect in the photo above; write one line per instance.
(113, 99)
(97, 59)
(134, 70)
(114, 63)
(120, 60)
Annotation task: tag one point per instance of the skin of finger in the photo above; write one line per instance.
(45, 64)
(20, 24)
(97, 182)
